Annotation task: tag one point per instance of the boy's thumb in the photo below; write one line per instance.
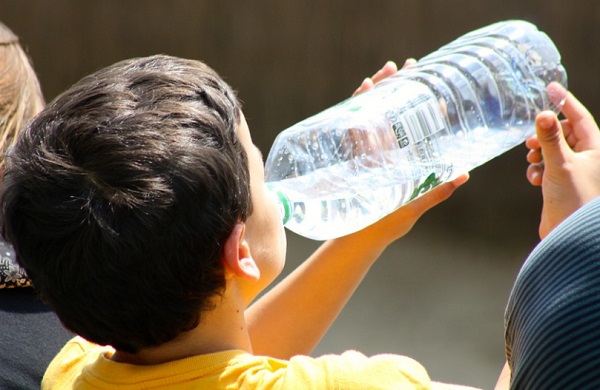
(550, 136)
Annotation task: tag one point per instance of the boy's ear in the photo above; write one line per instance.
(236, 255)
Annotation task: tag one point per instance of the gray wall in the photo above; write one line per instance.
(291, 59)
(438, 295)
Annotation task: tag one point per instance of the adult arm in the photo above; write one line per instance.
(564, 160)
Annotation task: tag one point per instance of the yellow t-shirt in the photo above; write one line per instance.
(83, 365)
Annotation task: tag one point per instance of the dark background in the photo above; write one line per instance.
(437, 295)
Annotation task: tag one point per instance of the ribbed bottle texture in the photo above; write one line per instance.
(470, 101)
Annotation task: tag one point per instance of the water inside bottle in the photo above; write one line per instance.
(323, 207)
(333, 201)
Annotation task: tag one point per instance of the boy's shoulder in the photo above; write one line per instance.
(82, 364)
(66, 366)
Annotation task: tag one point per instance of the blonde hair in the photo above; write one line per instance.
(21, 97)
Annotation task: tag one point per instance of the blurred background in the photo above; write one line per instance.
(438, 294)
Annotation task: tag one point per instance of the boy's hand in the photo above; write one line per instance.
(401, 221)
(387, 70)
(564, 159)
(398, 223)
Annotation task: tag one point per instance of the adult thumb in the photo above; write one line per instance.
(551, 137)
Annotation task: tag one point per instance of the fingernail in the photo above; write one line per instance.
(410, 61)
(557, 94)
(546, 120)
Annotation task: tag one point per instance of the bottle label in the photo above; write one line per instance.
(416, 120)
(431, 182)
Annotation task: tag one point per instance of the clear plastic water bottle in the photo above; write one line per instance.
(473, 99)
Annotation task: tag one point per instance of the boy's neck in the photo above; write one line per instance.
(221, 329)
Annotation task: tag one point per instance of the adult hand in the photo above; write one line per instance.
(564, 159)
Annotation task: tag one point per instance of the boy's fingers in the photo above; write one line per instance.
(438, 194)
(409, 62)
(388, 69)
(364, 86)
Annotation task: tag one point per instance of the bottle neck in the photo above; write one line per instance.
(283, 203)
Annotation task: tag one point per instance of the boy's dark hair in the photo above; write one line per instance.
(119, 196)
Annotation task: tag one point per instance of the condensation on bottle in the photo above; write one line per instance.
(455, 109)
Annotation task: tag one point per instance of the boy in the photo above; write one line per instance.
(136, 203)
